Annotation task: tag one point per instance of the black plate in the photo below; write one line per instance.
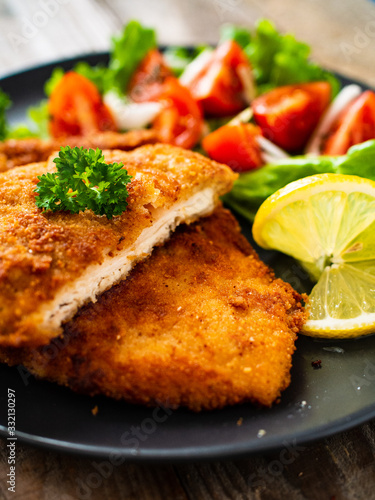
(318, 403)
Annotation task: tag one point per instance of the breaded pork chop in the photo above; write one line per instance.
(52, 263)
(203, 323)
(15, 152)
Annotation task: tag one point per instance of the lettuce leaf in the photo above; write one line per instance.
(5, 103)
(237, 33)
(38, 115)
(99, 75)
(53, 80)
(127, 52)
(37, 125)
(20, 132)
(278, 59)
(177, 58)
(252, 188)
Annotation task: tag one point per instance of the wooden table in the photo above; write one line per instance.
(342, 36)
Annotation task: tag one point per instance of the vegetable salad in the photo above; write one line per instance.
(255, 102)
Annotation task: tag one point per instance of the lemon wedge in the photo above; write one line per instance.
(327, 223)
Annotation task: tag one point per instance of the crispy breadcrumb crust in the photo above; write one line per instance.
(42, 252)
(15, 152)
(203, 323)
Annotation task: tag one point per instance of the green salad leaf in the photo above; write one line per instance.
(127, 52)
(237, 33)
(84, 181)
(278, 59)
(177, 58)
(53, 80)
(5, 102)
(39, 118)
(20, 132)
(99, 75)
(13, 132)
(37, 126)
(251, 189)
(359, 160)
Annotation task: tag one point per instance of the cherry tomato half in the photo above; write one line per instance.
(76, 108)
(219, 87)
(355, 125)
(288, 115)
(181, 121)
(235, 145)
(146, 83)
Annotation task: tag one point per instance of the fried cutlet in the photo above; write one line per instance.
(15, 152)
(203, 323)
(52, 263)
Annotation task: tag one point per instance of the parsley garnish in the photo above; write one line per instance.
(83, 180)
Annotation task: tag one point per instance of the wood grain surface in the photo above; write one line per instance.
(342, 36)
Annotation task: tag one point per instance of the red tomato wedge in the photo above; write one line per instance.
(145, 84)
(355, 125)
(76, 108)
(219, 86)
(181, 120)
(288, 115)
(235, 145)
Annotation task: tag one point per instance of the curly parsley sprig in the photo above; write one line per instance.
(84, 181)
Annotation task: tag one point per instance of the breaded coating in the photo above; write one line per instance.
(203, 323)
(52, 263)
(15, 152)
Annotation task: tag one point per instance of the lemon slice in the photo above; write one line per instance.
(327, 223)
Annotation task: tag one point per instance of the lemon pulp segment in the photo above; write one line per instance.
(327, 223)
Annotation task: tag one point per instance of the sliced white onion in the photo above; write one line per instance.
(203, 86)
(347, 95)
(270, 152)
(246, 76)
(243, 117)
(131, 115)
(195, 67)
(267, 158)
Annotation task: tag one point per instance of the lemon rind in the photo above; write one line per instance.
(331, 327)
(295, 191)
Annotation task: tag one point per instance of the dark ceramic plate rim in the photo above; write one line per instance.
(201, 452)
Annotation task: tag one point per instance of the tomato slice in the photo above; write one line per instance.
(235, 145)
(288, 115)
(181, 121)
(76, 108)
(146, 83)
(219, 86)
(355, 125)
